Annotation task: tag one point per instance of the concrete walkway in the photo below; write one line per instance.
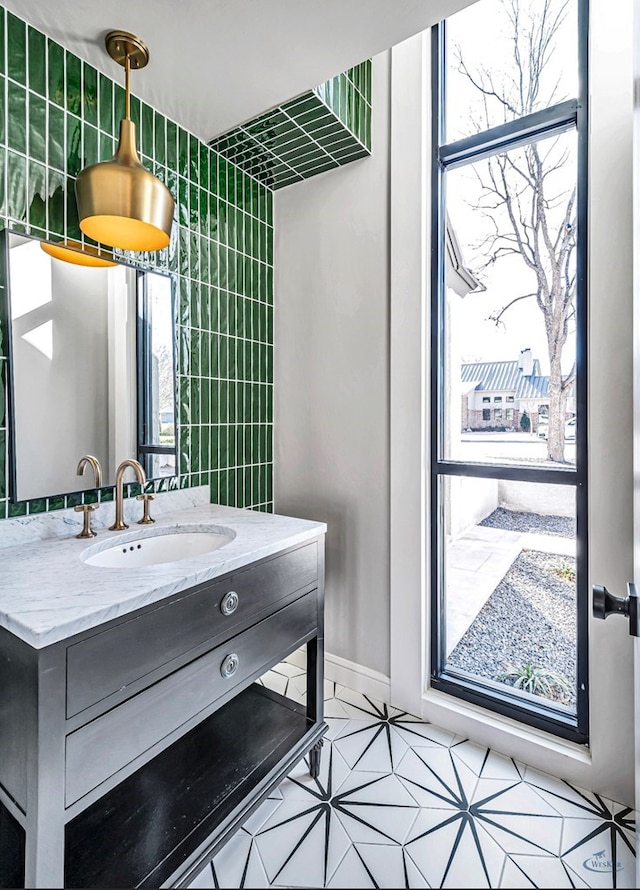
(477, 561)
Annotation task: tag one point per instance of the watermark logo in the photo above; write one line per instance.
(600, 862)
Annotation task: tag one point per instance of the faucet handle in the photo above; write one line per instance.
(87, 510)
(146, 518)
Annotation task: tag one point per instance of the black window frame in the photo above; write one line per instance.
(567, 115)
(146, 448)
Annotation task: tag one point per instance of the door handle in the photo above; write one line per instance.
(605, 604)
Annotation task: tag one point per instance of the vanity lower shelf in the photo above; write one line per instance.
(146, 831)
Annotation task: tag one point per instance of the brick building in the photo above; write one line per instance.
(496, 394)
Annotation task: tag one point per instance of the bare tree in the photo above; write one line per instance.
(531, 212)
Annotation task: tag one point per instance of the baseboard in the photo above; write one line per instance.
(348, 673)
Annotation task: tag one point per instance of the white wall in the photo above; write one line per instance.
(331, 375)
(326, 469)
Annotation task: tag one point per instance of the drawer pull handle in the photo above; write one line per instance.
(230, 602)
(229, 666)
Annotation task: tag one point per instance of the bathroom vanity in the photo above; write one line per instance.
(134, 737)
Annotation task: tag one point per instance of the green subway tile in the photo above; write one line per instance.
(118, 109)
(194, 158)
(195, 352)
(184, 302)
(194, 267)
(194, 207)
(107, 147)
(39, 505)
(145, 136)
(214, 264)
(172, 145)
(37, 128)
(56, 73)
(183, 201)
(56, 203)
(90, 146)
(3, 106)
(37, 200)
(90, 94)
(205, 401)
(184, 396)
(183, 237)
(17, 118)
(73, 83)
(72, 226)
(17, 44)
(222, 178)
(222, 212)
(183, 152)
(135, 113)
(3, 68)
(105, 103)
(16, 187)
(231, 401)
(195, 449)
(195, 304)
(223, 402)
(160, 138)
(74, 145)
(37, 61)
(203, 165)
(231, 490)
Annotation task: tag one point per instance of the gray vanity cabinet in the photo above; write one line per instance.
(132, 751)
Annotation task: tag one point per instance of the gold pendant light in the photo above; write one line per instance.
(78, 254)
(119, 202)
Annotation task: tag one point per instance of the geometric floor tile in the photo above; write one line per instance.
(403, 803)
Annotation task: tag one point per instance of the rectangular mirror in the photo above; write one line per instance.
(91, 370)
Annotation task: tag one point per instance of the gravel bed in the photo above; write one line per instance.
(529, 619)
(518, 521)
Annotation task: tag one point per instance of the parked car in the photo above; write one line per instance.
(569, 429)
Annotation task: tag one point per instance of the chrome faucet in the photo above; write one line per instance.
(119, 524)
(87, 509)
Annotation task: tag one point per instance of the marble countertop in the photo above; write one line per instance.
(47, 593)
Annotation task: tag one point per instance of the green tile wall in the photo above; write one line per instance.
(324, 128)
(58, 114)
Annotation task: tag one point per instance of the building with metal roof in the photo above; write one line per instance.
(496, 394)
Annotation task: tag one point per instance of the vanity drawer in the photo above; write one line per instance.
(110, 661)
(96, 751)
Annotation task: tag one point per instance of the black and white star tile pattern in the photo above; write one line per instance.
(402, 803)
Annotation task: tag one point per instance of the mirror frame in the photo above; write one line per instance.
(139, 364)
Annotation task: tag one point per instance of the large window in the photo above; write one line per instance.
(508, 504)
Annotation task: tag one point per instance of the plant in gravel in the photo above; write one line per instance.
(537, 680)
(565, 571)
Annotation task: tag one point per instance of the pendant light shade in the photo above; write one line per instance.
(78, 254)
(120, 203)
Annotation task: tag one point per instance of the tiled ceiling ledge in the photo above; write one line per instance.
(323, 128)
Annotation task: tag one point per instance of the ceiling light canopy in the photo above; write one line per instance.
(119, 202)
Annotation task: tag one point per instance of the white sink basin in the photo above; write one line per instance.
(156, 548)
